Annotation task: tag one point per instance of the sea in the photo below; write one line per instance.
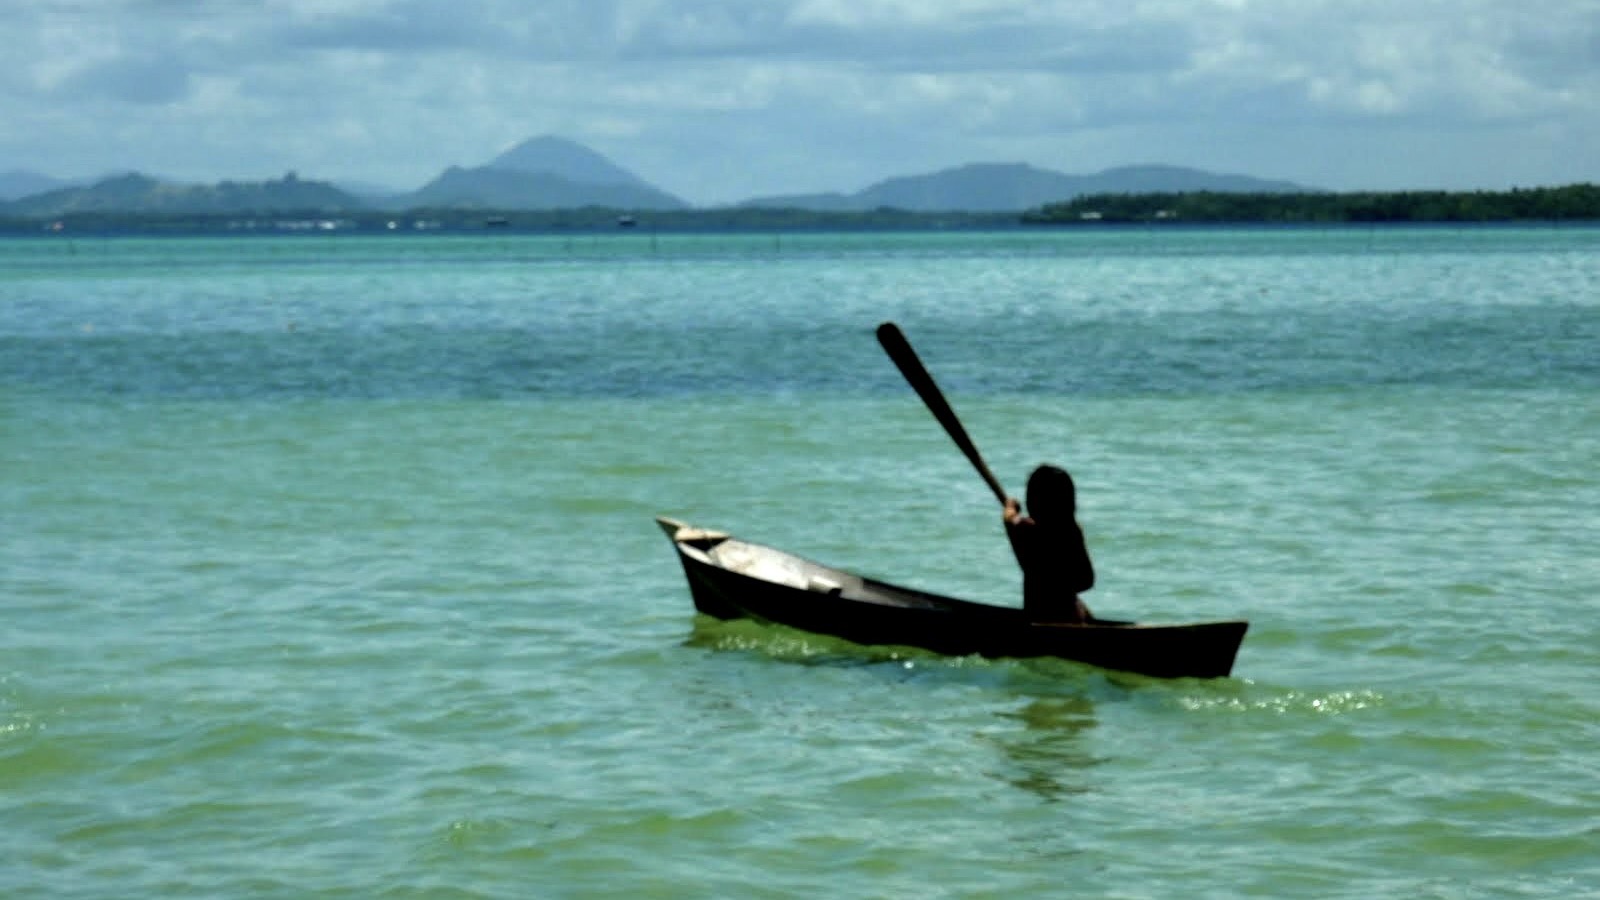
(328, 568)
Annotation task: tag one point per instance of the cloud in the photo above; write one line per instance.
(138, 80)
(718, 99)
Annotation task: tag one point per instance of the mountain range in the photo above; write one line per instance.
(555, 173)
(1013, 187)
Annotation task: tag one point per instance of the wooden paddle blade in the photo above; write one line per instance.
(899, 349)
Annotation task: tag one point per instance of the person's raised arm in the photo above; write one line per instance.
(1012, 512)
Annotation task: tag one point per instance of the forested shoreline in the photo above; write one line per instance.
(1577, 202)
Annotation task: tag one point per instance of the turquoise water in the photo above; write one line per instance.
(328, 567)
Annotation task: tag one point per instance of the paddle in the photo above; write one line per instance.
(899, 349)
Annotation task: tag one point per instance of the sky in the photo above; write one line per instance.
(722, 100)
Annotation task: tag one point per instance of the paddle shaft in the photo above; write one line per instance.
(899, 349)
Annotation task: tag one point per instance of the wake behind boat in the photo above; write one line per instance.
(730, 578)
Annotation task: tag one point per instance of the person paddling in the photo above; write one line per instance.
(1049, 547)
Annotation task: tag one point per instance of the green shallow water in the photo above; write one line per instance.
(374, 606)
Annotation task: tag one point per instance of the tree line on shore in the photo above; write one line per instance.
(1570, 203)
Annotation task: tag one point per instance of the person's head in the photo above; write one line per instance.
(1052, 497)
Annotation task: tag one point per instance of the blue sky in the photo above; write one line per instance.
(720, 100)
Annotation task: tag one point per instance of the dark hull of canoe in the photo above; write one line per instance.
(871, 612)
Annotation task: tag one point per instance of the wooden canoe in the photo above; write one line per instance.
(730, 579)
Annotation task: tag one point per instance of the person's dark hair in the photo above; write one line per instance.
(1052, 497)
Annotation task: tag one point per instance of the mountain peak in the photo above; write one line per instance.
(551, 155)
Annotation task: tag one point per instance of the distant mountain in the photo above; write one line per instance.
(488, 187)
(1014, 187)
(541, 173)
(1174, 179)
(562, 158)
(983, 187)
(143, 194)
(17, 184)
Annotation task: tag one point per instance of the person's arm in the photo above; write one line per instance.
(1016, 528)
(1013, 511)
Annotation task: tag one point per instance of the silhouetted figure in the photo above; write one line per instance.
(1049, 547)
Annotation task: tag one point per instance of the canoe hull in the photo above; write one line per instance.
(731, 579)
